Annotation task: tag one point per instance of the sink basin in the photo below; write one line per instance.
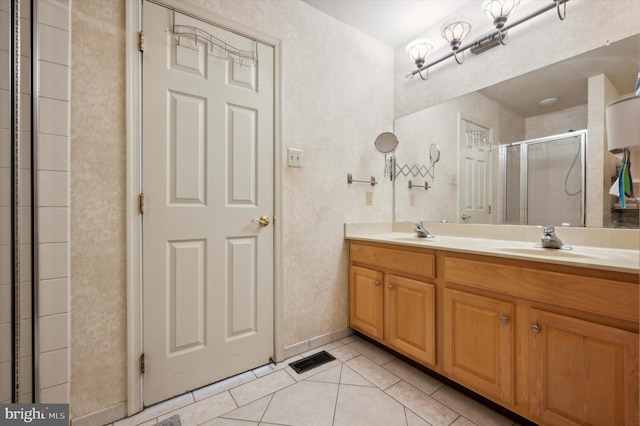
(534, 251)
(413, 239)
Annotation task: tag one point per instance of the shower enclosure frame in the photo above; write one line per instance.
(23, 149)
(524, 196)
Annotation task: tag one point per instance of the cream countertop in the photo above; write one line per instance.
(607, 249)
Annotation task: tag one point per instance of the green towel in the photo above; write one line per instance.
(625, 181)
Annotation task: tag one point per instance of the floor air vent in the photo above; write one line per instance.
(312, 361)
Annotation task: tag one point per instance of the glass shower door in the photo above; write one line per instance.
(16, 205)
(543, 180)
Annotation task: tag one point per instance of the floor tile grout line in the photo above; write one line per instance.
(456, 419)
(418, 390)
(419, 371)
(453, 409)
(335, 405)
(340, 363)
(406, 420)
(234, 400)
(267, 407)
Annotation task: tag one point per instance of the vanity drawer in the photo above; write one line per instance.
(407, 260)
(610, 298)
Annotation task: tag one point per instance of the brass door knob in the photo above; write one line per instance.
(263, 220)
(465, 217)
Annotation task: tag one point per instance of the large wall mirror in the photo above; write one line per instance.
(561, 142)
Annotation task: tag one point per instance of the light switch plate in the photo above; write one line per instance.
(294, 157)
(369, 198)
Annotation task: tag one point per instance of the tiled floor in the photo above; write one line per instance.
(365, 386)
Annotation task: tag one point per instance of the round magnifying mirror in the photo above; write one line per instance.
(434, 153)
(386, 142)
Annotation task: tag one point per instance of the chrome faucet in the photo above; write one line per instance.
(550, 240)
(421, 231)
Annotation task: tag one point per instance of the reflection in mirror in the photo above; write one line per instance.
(434, 153)
(509, 112)
(542, 181)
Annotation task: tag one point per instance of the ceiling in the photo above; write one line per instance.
(394, 22)
(568, 79)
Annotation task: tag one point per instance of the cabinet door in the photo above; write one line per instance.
(582, 373)
(411, 318)
(366, 302)
(479, 343)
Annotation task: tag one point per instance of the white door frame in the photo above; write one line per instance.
(134, 182)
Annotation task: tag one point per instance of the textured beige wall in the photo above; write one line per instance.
(600, 163)
(555, 123)
(337, 88)
(98, 264)
(337, 96)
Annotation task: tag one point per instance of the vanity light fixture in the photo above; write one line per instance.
(499, 10)
(454, 32)
(418, 51)
(562, 14)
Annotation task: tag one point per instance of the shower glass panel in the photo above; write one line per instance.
(16, 212)
(543, 180)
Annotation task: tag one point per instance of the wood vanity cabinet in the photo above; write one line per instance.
(391, 299)
(366, 302)
(556, 344)
(479, 343)
(582, 372)
(563, 341)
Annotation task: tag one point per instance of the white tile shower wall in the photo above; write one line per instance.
(53, 200)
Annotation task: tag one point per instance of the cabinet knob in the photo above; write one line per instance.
(377, 283)
(535, 329)
(504, 320)
(390, 286)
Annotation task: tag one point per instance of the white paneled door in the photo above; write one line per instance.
(474, 192)
(208, 155)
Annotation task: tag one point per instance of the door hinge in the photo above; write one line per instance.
(141, 202)
(141, 41)
(489, 209)
(142, 364)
